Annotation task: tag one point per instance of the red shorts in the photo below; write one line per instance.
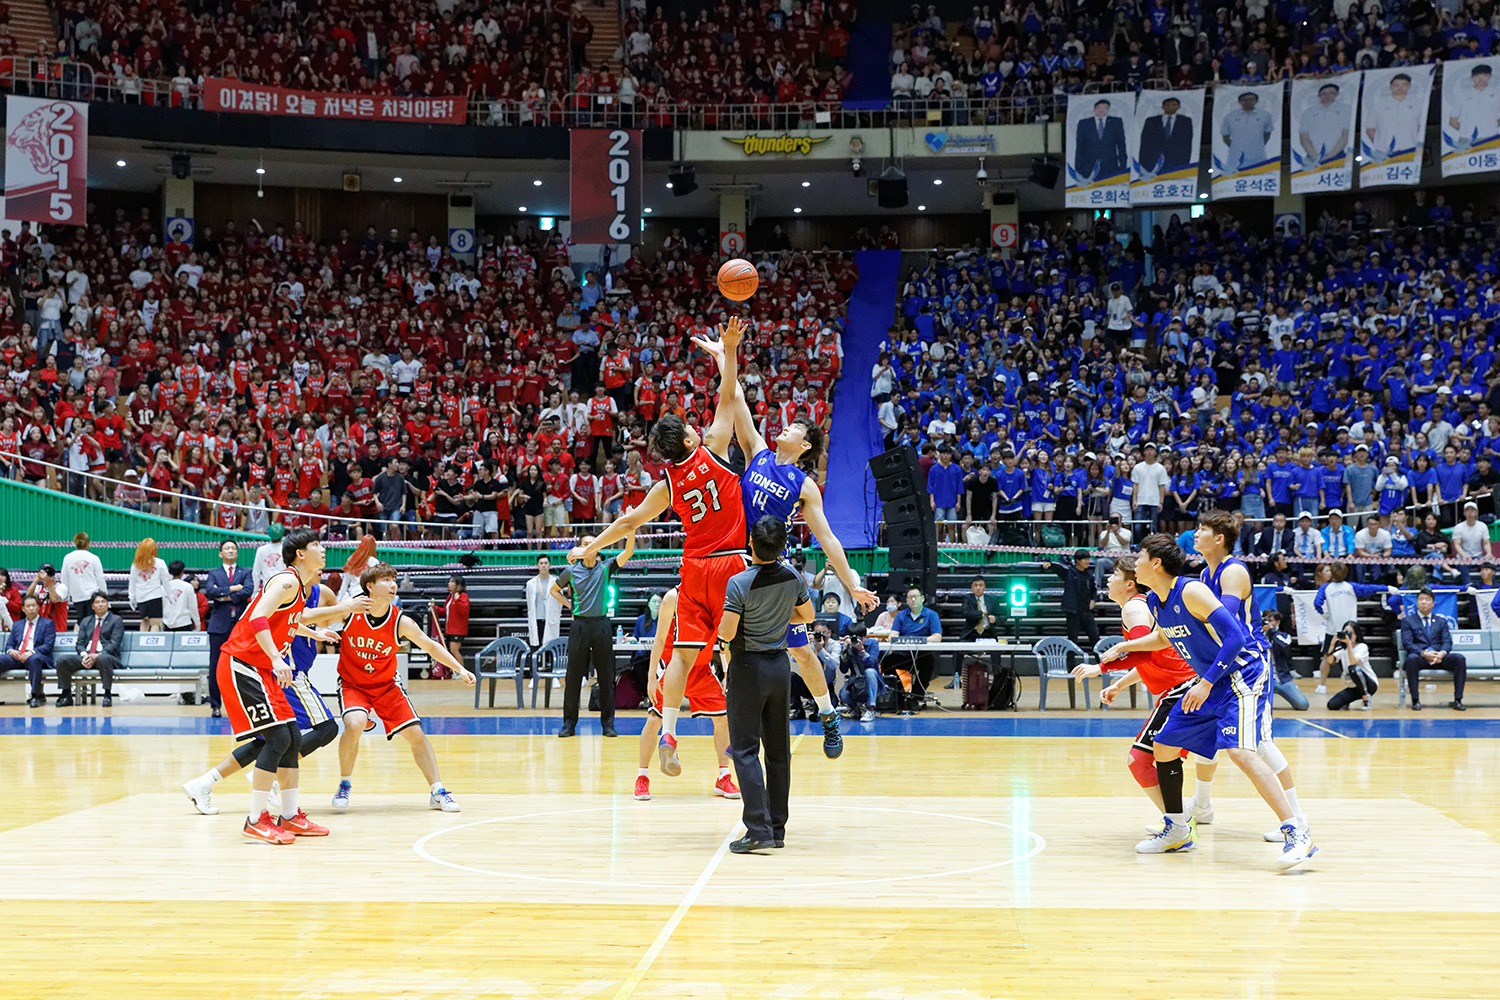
(700, 597)
(253, 700)
(705, 694)
(389, 703)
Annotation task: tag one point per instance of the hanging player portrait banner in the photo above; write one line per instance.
(1393, 125)
(1484, 601)
(1247, 141)
(1323, 133)
(1471, 117)
(605, 192)
(1164, 147)
(46, 160)
(1309, 621)
(1098, 161)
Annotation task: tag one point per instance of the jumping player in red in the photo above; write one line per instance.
(704, 490)
(1163, 672)
(705, 695)
(367, 683)
(253, 666)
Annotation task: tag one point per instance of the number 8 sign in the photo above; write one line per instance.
(606, 186)
(46, 160)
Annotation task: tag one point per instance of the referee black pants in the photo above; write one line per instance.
(590, 644)
(757, 693)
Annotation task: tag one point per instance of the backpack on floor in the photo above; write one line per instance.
(889, 700)
(1005, 691)
(976, 686)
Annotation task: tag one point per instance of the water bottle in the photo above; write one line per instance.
(619, 633)
(958, 684)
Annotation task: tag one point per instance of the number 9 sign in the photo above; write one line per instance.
(606, 186)
(46, 160)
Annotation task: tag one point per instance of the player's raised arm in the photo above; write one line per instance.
(626, 553)
(324, 614)
(628, 523)
(410, 631)
(730, 390)
(817, 523)
(719, 433)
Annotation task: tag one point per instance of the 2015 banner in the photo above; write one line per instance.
(1098, 161)
(46, 160)
(1470, 118)
(1393, 125)
(1164, 143)
(1323, 133)
(605, 192)
(1247, 141)
(235, 95)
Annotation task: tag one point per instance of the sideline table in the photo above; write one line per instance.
(958, 648)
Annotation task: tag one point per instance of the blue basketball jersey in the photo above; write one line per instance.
(1195, 640)
(305, 649)
(1213, 579)
(771, 488)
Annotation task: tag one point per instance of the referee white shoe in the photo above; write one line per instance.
(1299, 846)
(1172, 838)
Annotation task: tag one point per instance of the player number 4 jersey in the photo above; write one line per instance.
(367, 649)
(706, 496)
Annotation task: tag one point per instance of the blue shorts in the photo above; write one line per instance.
(796, 636)
(305, 701)
(1229, 720)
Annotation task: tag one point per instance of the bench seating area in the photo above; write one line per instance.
(171, 658)
(1480, 650)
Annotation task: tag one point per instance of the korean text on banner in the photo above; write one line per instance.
(46, 160)
(1323, 133)
(1393, 125)
(1470, 118)
(1098, 162)
(1247, 141)
(234, 95)
(1164, 144)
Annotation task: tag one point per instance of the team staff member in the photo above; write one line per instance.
(1080, 591)
(100, 634)
(84, 574)
(589, 641)
(915, 619)
(758, 603)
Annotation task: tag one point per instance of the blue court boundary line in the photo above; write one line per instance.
(1111, 726)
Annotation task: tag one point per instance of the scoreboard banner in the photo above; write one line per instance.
(46, 160)
(605, 188)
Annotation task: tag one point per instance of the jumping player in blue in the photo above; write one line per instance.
(319, 728)
(776, 482)
(1221, 711)
(1229, 579)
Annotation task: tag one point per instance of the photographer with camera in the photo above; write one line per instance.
(1338, 600)
(1350, 650)
(1281, 652)
(861, 661)
(827, 649)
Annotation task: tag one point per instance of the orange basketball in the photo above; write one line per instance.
(738, 280)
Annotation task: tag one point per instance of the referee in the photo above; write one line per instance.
(759, 603)
(589, 641)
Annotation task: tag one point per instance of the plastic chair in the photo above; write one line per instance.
(509, 656)
(1100, 648)
(549, 663)
(1052, 664)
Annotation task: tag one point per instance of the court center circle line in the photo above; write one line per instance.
(1038, 845)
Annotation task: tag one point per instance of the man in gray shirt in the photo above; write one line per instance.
(589, 641)
(759, 605)
(1359, 479)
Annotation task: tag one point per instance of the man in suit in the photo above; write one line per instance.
(1278, 536)
(1099, 147)
(1429, 646)
(100, 635)
(1166, 140)
(228, 588)
(29, 645)
(979, 613)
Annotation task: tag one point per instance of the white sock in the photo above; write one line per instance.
(214, 777)
(288, 802)
(347, 777)
(1203, 794)
(669, 721)
(825, 703)
(723, 772)
(258, 800)
(644, 772)
(1177, 819)
(437, 786)
(1291, 800)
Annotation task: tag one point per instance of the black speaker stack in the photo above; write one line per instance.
(910, 531)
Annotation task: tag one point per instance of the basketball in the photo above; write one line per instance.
(738, 280)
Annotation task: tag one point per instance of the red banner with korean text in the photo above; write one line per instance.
(605, 193)
(235, 95)
(46, 160)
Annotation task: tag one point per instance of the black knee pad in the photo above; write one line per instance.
(293, 751)
(246, 753)
(276, 741)
(319, 736)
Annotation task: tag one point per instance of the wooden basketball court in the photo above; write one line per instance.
(996, 863)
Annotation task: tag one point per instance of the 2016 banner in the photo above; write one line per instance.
(1470, 118)
(235, 95)
(1164, 143)
(1098, 161)
(1323, 133)
(1247, 141)
(1393, 125)
(46, 160)
(605, 192)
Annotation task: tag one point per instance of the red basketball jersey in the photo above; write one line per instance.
(706, 496)
(367, 650)
(1161, 669)
(242, 644)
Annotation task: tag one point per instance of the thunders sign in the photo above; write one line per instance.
(606, 186)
